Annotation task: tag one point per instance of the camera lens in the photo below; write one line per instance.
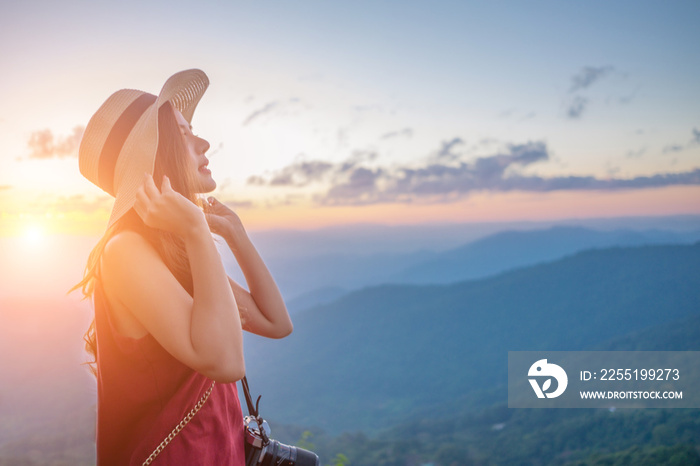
(279, 454)
(306, 458)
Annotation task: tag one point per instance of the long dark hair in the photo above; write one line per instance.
(171, 160)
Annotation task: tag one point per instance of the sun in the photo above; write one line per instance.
(33, 235)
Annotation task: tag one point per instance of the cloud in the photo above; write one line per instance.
(635, 154)
(680, 147)
(588, 76)
(441, 179)
(5, 187)
(576, 107)
(406, 132)
(361, 187)
(582, 81)
(44, 145)
(305, 172)
(268, 108)
(535, 183)
(262, 111)
(444, 179)
(445, 151)
(298, 174)
(673, 148)
(356, 158)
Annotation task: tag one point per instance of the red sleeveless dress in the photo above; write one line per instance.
(143, 393)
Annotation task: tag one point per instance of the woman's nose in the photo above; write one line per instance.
(202, 145)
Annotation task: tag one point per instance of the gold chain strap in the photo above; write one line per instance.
(180, 426)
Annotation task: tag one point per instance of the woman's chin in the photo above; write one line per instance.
(207, 185)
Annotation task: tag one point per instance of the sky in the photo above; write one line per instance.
(333, 113)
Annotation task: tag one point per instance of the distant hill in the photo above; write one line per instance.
(378, 354)
(510, 249)
(498, 435)
(300, 277)
(679, 335)
(478, 428)
(314, 298)
(306, 274)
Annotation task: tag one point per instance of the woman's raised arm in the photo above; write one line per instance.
(203, 331)
(263, 308)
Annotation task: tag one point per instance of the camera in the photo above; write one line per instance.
(260, 450)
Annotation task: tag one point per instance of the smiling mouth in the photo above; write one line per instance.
(204, 169)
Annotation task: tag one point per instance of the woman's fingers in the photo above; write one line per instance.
(216, 207)
(149, 187)
(165, 209)
(213, 214)
(146, 195)
(210, 205)
(165, 185)
(212, 220)
(140, 203)
(141, 199)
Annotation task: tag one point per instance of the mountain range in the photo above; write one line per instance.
(379, 354)
(308, 276)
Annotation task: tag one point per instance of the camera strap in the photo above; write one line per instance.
(252, 410)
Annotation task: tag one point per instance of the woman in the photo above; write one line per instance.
(167, 333)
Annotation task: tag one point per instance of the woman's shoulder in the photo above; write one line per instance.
(125, 250)
(126, 243)
(124, 253)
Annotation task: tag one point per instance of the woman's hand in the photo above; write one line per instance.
(262, 308)
(167, 209)
(222, 220)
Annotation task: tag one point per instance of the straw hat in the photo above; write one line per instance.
(120, 141)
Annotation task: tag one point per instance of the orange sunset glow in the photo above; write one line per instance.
(480, 207)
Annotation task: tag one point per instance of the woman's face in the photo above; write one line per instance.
(196, 147)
